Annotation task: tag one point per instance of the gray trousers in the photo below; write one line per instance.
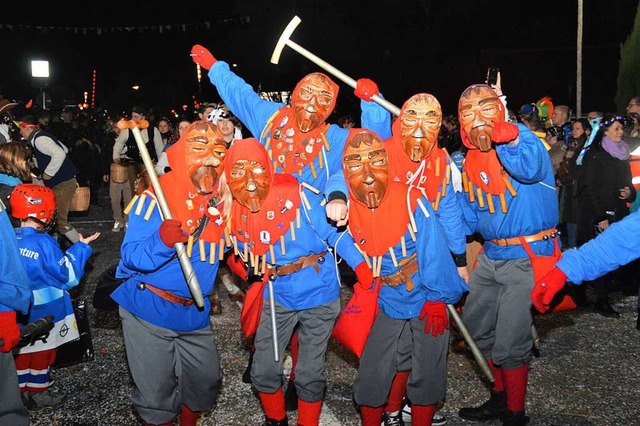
(120, 196)
(386, 352)
(170, 368)
(12, 411)
(314, 331)
(498, 312)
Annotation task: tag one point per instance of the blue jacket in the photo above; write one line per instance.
(616, 246)
(145, 258)
(437, 278)
(15, 288)
(533, 209)
(52, 274)
(308, 288)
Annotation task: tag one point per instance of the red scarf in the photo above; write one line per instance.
(292, 150)
(262, 229)
(401, 168)
(372, 229)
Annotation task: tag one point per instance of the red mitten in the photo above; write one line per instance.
(237, 266)
(546, 288)
(9, 330)
(437, 320)
(503, 131)
(171, 232)
(364, 275)
(202, 56)
(365, 89)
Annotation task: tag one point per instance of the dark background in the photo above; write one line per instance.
(407, 47)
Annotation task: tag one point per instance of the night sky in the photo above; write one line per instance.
(440, 47)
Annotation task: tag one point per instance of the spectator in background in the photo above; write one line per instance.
(449, 136)
(604, 189)
(162, 166)
(567, 177)
(125, 149)
(166, 131)
(14, 170)
(562, 118)
(633, 105)
(56, 170)
(346, 121)
(119, 186)
(554, 136)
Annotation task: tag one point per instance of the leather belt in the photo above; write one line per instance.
(303, 262)
(402, 275)
(542, 235)
(167, 295)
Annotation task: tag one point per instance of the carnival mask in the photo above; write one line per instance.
(313, 100)
(205, 151)
(420, 121)
(478, 108)
(365, 168)
(249, 183)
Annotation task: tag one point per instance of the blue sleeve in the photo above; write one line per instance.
(340, 240)
(376, 119)
(616, 246)
(337, 183)
(15, 288)
(452, 220)
(527, 161)
(142, 250)
(241, 99)
(438, 272)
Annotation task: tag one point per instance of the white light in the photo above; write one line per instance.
(40, 69)
(135, 87)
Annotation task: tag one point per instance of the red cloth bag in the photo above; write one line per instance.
(252, 308)
(356, 319)
(542, 265)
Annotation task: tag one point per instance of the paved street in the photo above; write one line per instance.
(587, 374)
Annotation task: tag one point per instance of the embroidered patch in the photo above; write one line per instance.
(189, 205)
(271, 215)
(265, 237)
(485, 178)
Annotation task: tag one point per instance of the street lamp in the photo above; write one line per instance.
(40, 78)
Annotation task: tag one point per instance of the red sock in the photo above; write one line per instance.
(371, 416)
(422, 415)
(309, 413)
(294, 354)
(497, 385)
(397, 391)
(515, 386)
(273, 404)
(188, 417)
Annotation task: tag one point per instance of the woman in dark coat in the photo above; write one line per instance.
(604, 189)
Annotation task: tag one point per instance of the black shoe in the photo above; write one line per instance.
(291, 397)
(246, 376)
(389, 420)
(603, 307)
(271, 422)
(515, 419)
(494, 408)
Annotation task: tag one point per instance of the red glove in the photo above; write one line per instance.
(237, 266)
(171, 232)
(365, 89)
(364, 275)
(436, 320)
(503, 131)
(202, 56)
(546, 288)
(9, 330)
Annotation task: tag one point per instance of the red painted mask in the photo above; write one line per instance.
(205, 151)
(478, 108)
(249, 182)
(313, 101)
(420, 120)
(364, 161)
